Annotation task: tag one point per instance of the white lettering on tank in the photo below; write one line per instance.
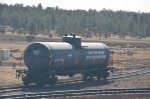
(69, 55)
(95, 52)
(96, 57)
(36, 52)
(59, 61)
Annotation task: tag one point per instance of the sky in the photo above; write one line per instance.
(115, 5)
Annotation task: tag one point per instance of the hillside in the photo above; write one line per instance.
(36, 20)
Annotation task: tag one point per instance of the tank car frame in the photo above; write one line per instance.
(46, 61)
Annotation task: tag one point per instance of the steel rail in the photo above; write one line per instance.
(77, 93)
(115, 77)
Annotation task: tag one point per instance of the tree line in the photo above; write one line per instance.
(37, 20)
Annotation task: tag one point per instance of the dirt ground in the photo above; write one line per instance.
(125, 57)
(8, 76)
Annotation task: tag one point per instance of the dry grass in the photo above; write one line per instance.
(137, 55)
(21, 47)
(7, 76)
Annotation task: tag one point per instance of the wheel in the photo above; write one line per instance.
(91, 77)
(105, 75)
(104, 78)
(25, 81)
(39, 83)
(85, 77)
(98, 77)
(53, 80)
(70, 75)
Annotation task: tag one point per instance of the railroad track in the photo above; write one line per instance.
(10, 89)
(76, 93)
(61, 83)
